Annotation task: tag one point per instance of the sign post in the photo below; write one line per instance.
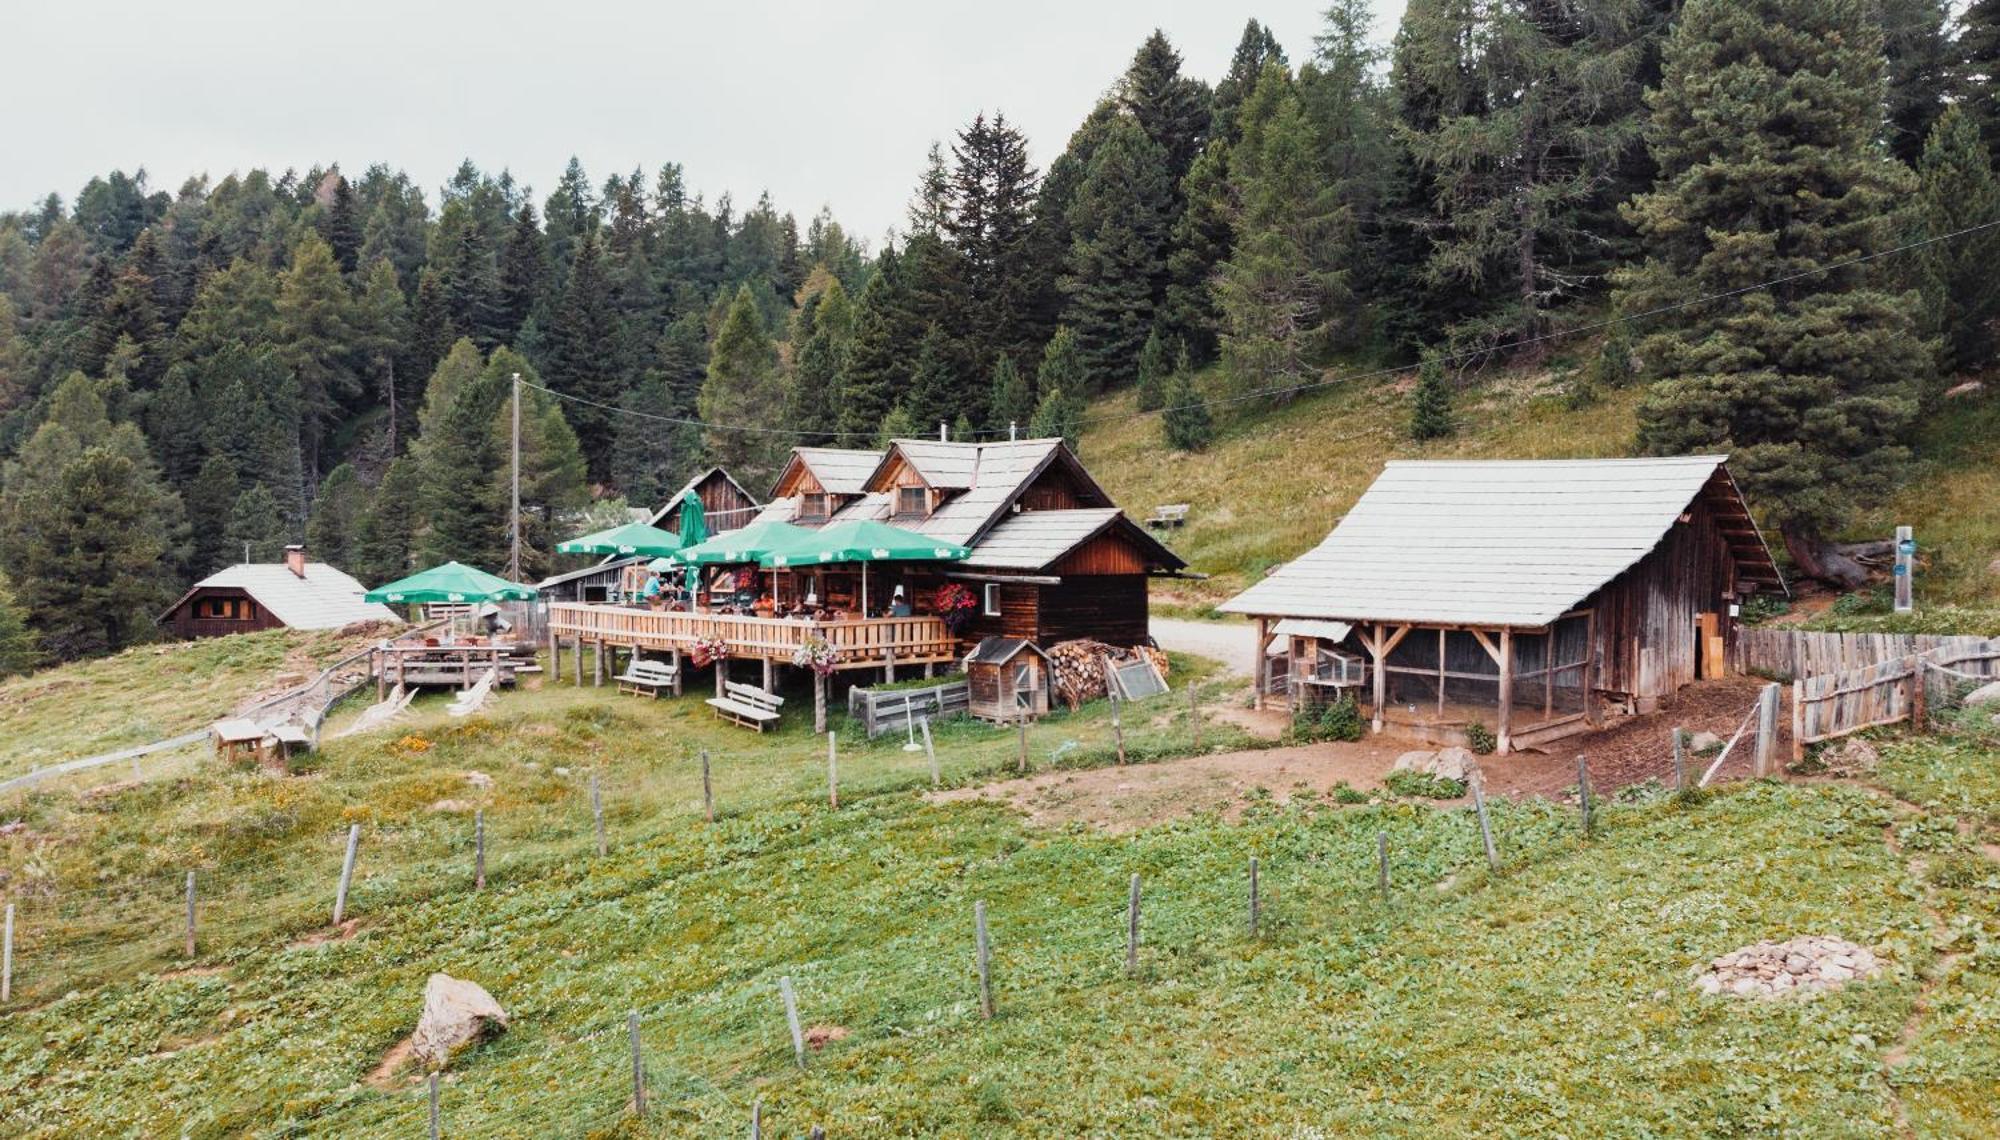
(1906, 555)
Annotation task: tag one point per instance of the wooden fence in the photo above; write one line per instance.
(881, 712)
(1789, 654)
(1834, 704)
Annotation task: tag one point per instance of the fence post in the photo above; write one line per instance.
(190, 914)
(1485, 824)
(1680, 760)
(479, 849)
(638, 1064)
(792, 1019)
(1118, 725)
(985, 960)
(707, 789)
(1798, 722)
(757, 1119)
(1583, 791)
(1194, 715)
(832, 769)
(7, 958)
(346, 873)
(1917, 692)
(434, 1105)
(930, 750)
(1022, 725)
(1767, 729)
(1132, 928)
(1254, 907)
(1382, 863)
(597, 813)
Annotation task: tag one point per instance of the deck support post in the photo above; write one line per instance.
(819, 701)
(555, 658)
(767, 674)
(1506, 688)
(889, 667)
(677, 672)
(721, 676)
(597, 664)
(577, 664)
(379, 667)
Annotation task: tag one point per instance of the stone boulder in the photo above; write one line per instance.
(1703, 743)
(1851, 757)
(1988, 694)
(1447, 763)
(456, 1013)
(1809, 964)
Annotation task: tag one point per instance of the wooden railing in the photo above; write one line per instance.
(856, 641)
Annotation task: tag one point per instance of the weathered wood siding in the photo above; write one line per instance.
(184, 623)
(1654, 605)
(1788, 654)
(1020, 613)
(1109, 553)
(1108, 607)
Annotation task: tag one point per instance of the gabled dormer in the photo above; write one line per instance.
(822, 480)
(920, 476)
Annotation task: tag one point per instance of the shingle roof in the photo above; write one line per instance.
(1490, 542)
(324, 599)
(841, 470)
(945, 465)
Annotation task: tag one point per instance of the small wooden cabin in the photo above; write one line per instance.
(1527, 597)
(1007, 678)
(726, 504)
(1053, 557)
(293, 594)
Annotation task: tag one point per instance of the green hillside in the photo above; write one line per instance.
(1554, 995)
(1276, 480)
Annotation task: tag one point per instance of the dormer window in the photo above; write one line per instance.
(812, 506)
(912, 502)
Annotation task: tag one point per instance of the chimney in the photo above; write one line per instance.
(295, 559)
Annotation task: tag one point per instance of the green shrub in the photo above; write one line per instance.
(1340, 720)
(1960, 870)
(1345, 793)
(1423, 785)
(1480, 739)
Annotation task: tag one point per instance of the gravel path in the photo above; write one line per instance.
(1232, 643)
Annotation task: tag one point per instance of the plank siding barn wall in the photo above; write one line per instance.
(1653, 605)
(723, 502)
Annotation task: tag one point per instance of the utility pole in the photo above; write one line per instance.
(514, 524)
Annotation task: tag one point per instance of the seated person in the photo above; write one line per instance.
(651, 590)
(899, 605)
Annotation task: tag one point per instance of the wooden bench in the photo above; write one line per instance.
(747, 705)
(647, 678)
(1173, 514)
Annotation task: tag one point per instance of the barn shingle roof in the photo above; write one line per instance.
(1495, 542)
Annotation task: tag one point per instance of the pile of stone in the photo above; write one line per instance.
(1808, 964)
(1448, 763)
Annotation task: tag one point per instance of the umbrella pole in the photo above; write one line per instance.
(864, 590)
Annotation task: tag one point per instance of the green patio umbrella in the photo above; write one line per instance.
(865, 541)
(451, 582)
(744, 544)
(694, 531)
(632, 538)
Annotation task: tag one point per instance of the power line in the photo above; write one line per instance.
(1312, 385)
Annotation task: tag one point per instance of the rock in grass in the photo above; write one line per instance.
(1984, 695)
(456, 1013)
(1806, 964)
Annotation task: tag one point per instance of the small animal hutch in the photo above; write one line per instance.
(1008, 678)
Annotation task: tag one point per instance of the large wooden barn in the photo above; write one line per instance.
(1530, 597)
(1053, 557)
(293, 594)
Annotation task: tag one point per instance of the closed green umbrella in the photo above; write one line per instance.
(451, 582)
(865, 541)
(632, 538)
(694, 531)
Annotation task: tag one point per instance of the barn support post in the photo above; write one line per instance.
(1440, 704)
(1381, 681)
(1592, 715)
(1506, 689)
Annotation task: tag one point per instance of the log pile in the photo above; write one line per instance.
(1079, 667)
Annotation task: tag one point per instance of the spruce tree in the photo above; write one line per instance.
(468, 271)
(1764, 131)
(1185, 421)
(812, 390)
(655, 455)
(343, 226)
(256, 529)
(1012, 403)
(210, 497)
(1975, 79)
(381, 328)
(933, 396)
(317, 336)
(1059, 415)
(523, 272)
(1062, 364)
(336, 516)
(1283, 292)
(1430, 401)
(385, 540)
(743, 387)
(19, 650)
(1155, 368)
(1200, 242)
(1918, 53)
(990, 226)
(1116, 264)
(1256, 50)
(898, 424)
(578, 364)
(1957, 190)
(1171, 108)
(876, 369)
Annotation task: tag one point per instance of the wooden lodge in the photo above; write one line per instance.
(1052, 558)
(726, 506)
(1529, 597)
(293, 594)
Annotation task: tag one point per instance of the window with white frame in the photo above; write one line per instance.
(992, 606)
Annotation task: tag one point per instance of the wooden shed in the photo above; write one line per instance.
(1530, 597)
(1008, 677)
(726, 505)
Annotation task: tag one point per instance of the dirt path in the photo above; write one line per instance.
(1232, 643)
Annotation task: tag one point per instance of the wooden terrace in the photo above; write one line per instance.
(858, 643)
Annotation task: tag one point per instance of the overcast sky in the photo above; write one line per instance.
(821, 104)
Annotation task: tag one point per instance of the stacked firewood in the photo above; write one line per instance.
(1081, 667)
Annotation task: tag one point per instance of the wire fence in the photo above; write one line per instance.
(709, 1050)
